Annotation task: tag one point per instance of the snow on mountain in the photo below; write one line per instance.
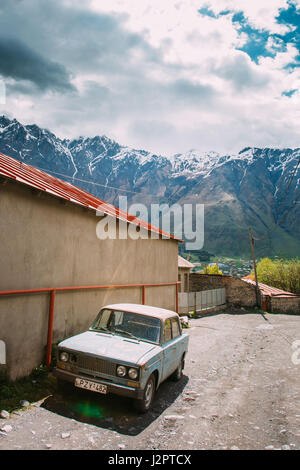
(238, 190)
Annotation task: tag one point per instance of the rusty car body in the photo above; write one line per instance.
(130, 349)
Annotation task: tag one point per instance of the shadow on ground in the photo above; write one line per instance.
(232, 311)
(112, 411)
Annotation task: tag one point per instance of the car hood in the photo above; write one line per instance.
(114, 347)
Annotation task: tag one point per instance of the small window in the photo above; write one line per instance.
(175, 328)
(118, 318)
(167, 331)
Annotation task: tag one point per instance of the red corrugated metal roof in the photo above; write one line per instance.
(269, 290)
(31, 176)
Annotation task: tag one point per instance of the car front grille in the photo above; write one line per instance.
(95, 364)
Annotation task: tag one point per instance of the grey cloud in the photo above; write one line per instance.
(116, 72)
(99, 44)
(142, 96)
(20, 62)
(195, 93)
(240, 73)
(159, 130)
(86, 41)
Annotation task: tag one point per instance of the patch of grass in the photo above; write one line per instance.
(38, 385)
(282, 313)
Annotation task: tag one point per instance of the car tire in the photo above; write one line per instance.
(177, 375)
(144, 404)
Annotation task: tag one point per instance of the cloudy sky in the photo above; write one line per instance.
(162, 75)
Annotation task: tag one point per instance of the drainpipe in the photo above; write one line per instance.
(144, 295)
(50, 328)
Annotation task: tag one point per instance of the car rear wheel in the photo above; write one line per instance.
(143, 405)
(178, 372)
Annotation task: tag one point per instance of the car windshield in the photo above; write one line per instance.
(131, 325)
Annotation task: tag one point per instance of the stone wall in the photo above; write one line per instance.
(242, 294)
(238, 293)
(205, 281)
(284, 304)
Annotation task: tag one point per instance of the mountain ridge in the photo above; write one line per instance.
(238, 190)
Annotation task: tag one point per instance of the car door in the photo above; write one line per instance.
(178, 343)
(169, 346)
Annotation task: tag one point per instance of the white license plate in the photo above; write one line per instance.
(88, 385)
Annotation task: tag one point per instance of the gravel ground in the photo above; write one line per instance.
(240, 390)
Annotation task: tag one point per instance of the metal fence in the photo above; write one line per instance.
(202, 300)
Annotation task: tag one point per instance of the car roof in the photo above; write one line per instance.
(157, 312)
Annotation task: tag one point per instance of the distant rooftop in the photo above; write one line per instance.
(183, 263)
(269, 290)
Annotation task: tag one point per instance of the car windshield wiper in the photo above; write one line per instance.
(102, 328)
(125, 333)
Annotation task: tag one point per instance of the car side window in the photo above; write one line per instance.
(175, 328)
(167, 331)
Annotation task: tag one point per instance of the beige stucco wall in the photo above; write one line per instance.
(46, 243)
(182, 272)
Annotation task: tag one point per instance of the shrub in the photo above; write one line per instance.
(212, 270)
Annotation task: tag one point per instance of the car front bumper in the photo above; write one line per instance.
(123, 390)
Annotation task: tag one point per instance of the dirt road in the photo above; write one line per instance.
(240, 390)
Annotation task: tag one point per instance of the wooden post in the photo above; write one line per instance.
(254, 266)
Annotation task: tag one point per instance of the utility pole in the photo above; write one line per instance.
(254, 266)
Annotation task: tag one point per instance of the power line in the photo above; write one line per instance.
(88, 182)
(105, 185)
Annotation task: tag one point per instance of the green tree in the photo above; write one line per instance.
(266, 271)
(283, 274)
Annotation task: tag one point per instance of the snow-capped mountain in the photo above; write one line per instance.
(252, 188)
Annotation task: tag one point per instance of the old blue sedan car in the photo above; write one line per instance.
(129, 350)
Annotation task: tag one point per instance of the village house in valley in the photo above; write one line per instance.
(49, 247)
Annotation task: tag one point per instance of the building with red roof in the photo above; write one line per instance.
(49, 244)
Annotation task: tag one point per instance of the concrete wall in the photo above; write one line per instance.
(46, 243)
(238, 293)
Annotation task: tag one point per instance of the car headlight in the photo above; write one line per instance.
(133, 373)
(64, 356)
(121, 371)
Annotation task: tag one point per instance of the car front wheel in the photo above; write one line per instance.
(143, 405)
(63, 386)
